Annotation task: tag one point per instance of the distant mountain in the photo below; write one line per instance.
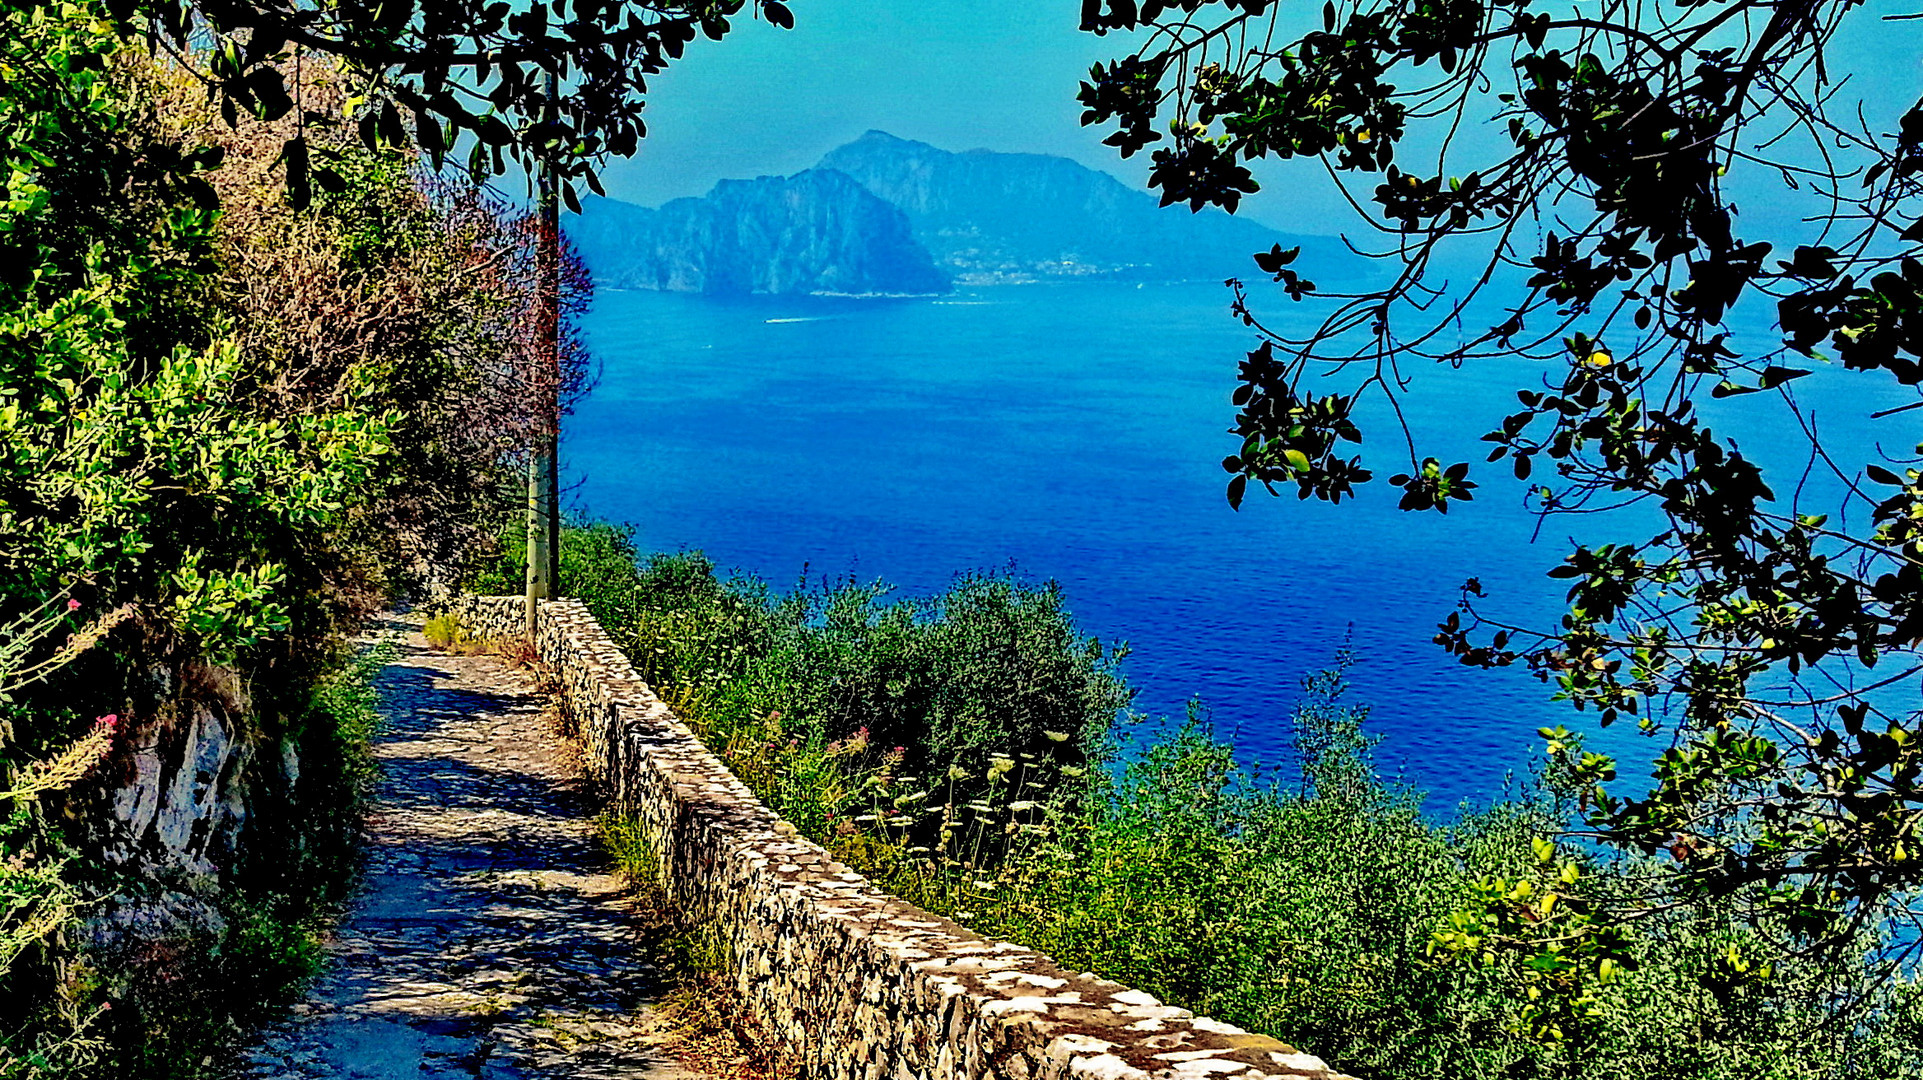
(991, 217)
(815, 232)
(892, 216)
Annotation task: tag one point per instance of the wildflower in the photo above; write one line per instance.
(72, 604)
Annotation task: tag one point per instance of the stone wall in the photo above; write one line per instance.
(857, 984)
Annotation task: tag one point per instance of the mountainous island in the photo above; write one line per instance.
(814, 232)
(884, 215)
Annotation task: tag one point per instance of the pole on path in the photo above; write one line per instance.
(544, 466)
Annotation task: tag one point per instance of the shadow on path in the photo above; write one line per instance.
(490, 938)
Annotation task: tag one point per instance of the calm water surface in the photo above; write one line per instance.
(1075, 430)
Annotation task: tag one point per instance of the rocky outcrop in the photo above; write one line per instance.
(817, 232)
(857, 984)
(198, 799)
(991, 217)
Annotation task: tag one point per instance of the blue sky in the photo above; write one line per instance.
(1002, 74)
(995, 73)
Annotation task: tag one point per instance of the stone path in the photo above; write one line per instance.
(489, 939)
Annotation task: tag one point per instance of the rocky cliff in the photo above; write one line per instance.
(990, 217)
(814, 232)
(200, 790)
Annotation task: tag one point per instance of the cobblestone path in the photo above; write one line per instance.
(489, 939)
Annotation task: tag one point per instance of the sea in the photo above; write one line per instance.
(1074, 433)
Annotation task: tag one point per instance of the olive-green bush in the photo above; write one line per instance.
(1327, 908)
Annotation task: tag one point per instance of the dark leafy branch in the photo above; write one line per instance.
(561, 82)
(1754, 631)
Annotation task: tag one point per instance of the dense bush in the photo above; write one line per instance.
(1330, 911)
(958, 689)
(838, 677)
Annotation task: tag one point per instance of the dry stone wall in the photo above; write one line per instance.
(857, 984)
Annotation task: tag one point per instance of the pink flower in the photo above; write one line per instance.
(72, 604)
(108, 723)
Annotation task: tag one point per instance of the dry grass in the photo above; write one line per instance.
(449, 634)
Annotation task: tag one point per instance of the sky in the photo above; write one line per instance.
(1003, 74)
(995, 73)
(1000, 74)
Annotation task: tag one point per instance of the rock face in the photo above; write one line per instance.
(990, 217)
(195, 781)
(815, 232)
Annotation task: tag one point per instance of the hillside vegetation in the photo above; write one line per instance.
(964, 751)
(229, 431)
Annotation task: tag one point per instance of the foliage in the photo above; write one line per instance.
(1748, 632)
(234, 428)
(436, 294)
(198, 409)
(37, 902)
(1329, 911)
(955, 688)
(522, 83)
(126, 460)
(341, 718)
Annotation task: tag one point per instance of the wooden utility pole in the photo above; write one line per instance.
(544, 466)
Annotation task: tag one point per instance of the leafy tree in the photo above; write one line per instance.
(231, 424)
(1762, 629)
(548, 82)
(128, 453)
(548, 86)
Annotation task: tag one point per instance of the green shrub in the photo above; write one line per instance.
(1329, 912)
(597, 568)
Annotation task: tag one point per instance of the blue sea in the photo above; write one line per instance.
(1074, 431)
